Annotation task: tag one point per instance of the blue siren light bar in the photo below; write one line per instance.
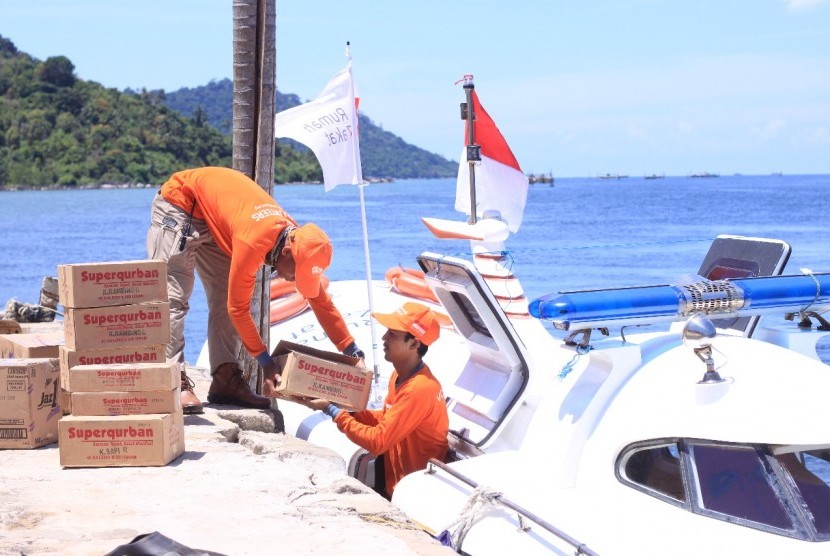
(741, 297)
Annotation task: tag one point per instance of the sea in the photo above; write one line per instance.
(577, 233)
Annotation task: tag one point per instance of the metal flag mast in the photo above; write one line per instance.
(473, 150)
(366, 259)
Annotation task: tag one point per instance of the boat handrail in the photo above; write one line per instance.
(523, 513)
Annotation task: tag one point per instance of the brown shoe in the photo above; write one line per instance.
(229, 388)
(190, 403)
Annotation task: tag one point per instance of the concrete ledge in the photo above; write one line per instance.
(238, 489)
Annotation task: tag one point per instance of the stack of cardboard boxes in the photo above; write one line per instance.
(30, 402)
(124, 403)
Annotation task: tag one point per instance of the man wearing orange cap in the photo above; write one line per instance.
(412, 426)
(224, 225)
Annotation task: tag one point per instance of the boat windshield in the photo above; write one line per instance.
(780, 489)
(810, 471)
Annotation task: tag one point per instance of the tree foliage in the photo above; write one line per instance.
(56, 129)
(382, 154)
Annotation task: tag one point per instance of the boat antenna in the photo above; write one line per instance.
(473, 150)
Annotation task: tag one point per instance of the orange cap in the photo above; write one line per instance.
(419, 320)
(312, 251)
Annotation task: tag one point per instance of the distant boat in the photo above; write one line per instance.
(540, 178)
(705, 175)
(779, 174)
(613, 177)
(655, 177)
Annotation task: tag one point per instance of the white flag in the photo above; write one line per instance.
(328, 126)
(500, 183)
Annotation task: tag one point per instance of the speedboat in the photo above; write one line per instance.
(699, 438)
(662, 419)
(649, 420)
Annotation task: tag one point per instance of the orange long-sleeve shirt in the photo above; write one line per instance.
(410, 429)
(245, 223)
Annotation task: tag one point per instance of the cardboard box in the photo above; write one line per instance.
(126, 403)
(120, 441)
(32, 327)
(8, 326)
(323, 374)
(31, 346)
(123, 325)
(65, 399)
(13, 327)
(139, 377)
(29, 403)
(154, 353)
(106, 284)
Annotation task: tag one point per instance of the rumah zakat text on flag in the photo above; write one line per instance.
(328, 126)
(500, 183)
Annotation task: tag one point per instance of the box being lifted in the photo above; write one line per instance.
(322, 374)
(112, 283)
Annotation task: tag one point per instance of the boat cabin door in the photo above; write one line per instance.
(496, 373)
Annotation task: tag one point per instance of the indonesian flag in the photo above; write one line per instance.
(328, 126)
(500, 183)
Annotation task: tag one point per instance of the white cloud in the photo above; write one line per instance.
(685, 127)
(802, 5)
(772, 129)
(636, 132)
(818, 136)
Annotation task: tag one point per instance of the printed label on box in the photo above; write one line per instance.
(111, 356)
(123, 325)
(126, 403)
(141, 377)
(332, 376)
(112, 283)
(29, 402)
(121, 441)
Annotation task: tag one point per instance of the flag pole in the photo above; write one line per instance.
(372, 327)
(366, 258)
(473, 150)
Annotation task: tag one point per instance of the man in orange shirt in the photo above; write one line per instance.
(412, 426)
(224, 225)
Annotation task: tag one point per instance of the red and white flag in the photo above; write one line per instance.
(328, 126)
(500, 183)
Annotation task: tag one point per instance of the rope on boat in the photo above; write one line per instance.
(568, 367)
(389, 522)
(479, 500)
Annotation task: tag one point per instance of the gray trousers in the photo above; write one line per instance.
(202, 255)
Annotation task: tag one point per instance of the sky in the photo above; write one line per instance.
(577, 88)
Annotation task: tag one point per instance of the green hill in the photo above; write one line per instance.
(56, 129)
(382, 154)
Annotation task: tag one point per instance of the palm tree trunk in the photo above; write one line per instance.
(254, 90)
